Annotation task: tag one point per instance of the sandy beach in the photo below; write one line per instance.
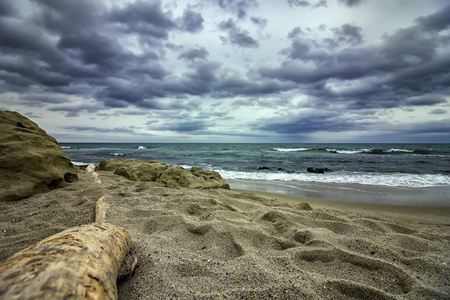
(221, 244)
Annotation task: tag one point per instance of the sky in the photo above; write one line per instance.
(285, 71)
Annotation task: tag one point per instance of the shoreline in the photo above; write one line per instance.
(429, 214)
(351, 193)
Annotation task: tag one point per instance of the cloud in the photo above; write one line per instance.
(311, 122)
(191, 21)
(101, 130)
(146, 19)
(438, 111)
(194, 54)
(301, 3)
(238, 7)
(436, 22)
(7, 9)
(351, 3)
(38, 99)
(304, 3)
(425, 100)
(188, 126)
(295, 32)
(238, 36)
(405, 65)
(262, 22)
(156, 58)
(347, 35)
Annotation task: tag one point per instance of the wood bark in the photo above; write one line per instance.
(79, 263)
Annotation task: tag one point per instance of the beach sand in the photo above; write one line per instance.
(221, 244)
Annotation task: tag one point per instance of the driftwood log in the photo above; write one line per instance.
(83, 262)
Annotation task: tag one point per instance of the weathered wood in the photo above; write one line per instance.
(101, 210)
(79, 263)
(83, 262)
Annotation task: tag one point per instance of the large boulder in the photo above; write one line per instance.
(31, 161)
(168, 175)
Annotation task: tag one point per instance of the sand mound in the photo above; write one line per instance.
(214, 244)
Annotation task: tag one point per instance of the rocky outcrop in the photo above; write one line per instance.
(318, 170)
(31, 161)
(168, 175)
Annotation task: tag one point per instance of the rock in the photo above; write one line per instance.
(318, 170)
(31, 161)
(262, 168)
(168, 175)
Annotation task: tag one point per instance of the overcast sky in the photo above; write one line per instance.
(229, 70)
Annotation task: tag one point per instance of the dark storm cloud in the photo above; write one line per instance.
(406, 64)
(301, 3)
(438, 111)
(38, 99)
(191, 21)
(436, 22)
(310, 123)
(145, 18)
(312, 4)
(76, 110)
(101, 130)
(239, 7)
(194, 54)
(122, 57)
(351, 3)
(436, 127)
(238, 36)
(347, 35)
(425, 100)
(189, 126)
(7, 9)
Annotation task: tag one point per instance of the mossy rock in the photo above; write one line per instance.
(31, 161)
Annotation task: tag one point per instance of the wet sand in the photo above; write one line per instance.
(217, 244)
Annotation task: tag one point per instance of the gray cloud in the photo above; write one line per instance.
(101, 130)
(259, 21)
(238, 36)
(347, 35)
(438, 111)
(425, 100)
(239, 7)
(304, 3)
(191, 21)
(38, 99)
(436, 22)
(144, 18)
(310, 123)
(351, 3)
(152, 57)
(194, 54)
(185, 126)
(7, 9)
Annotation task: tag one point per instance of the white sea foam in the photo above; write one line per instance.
(79, 163)
(400, 150)
(392, 179)
(291, 149)
(141, 147)
(349, 151)
(117, 154)
(65, 147)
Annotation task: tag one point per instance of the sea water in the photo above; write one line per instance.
(381, 173)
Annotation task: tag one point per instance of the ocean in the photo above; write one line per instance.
(406, 174)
